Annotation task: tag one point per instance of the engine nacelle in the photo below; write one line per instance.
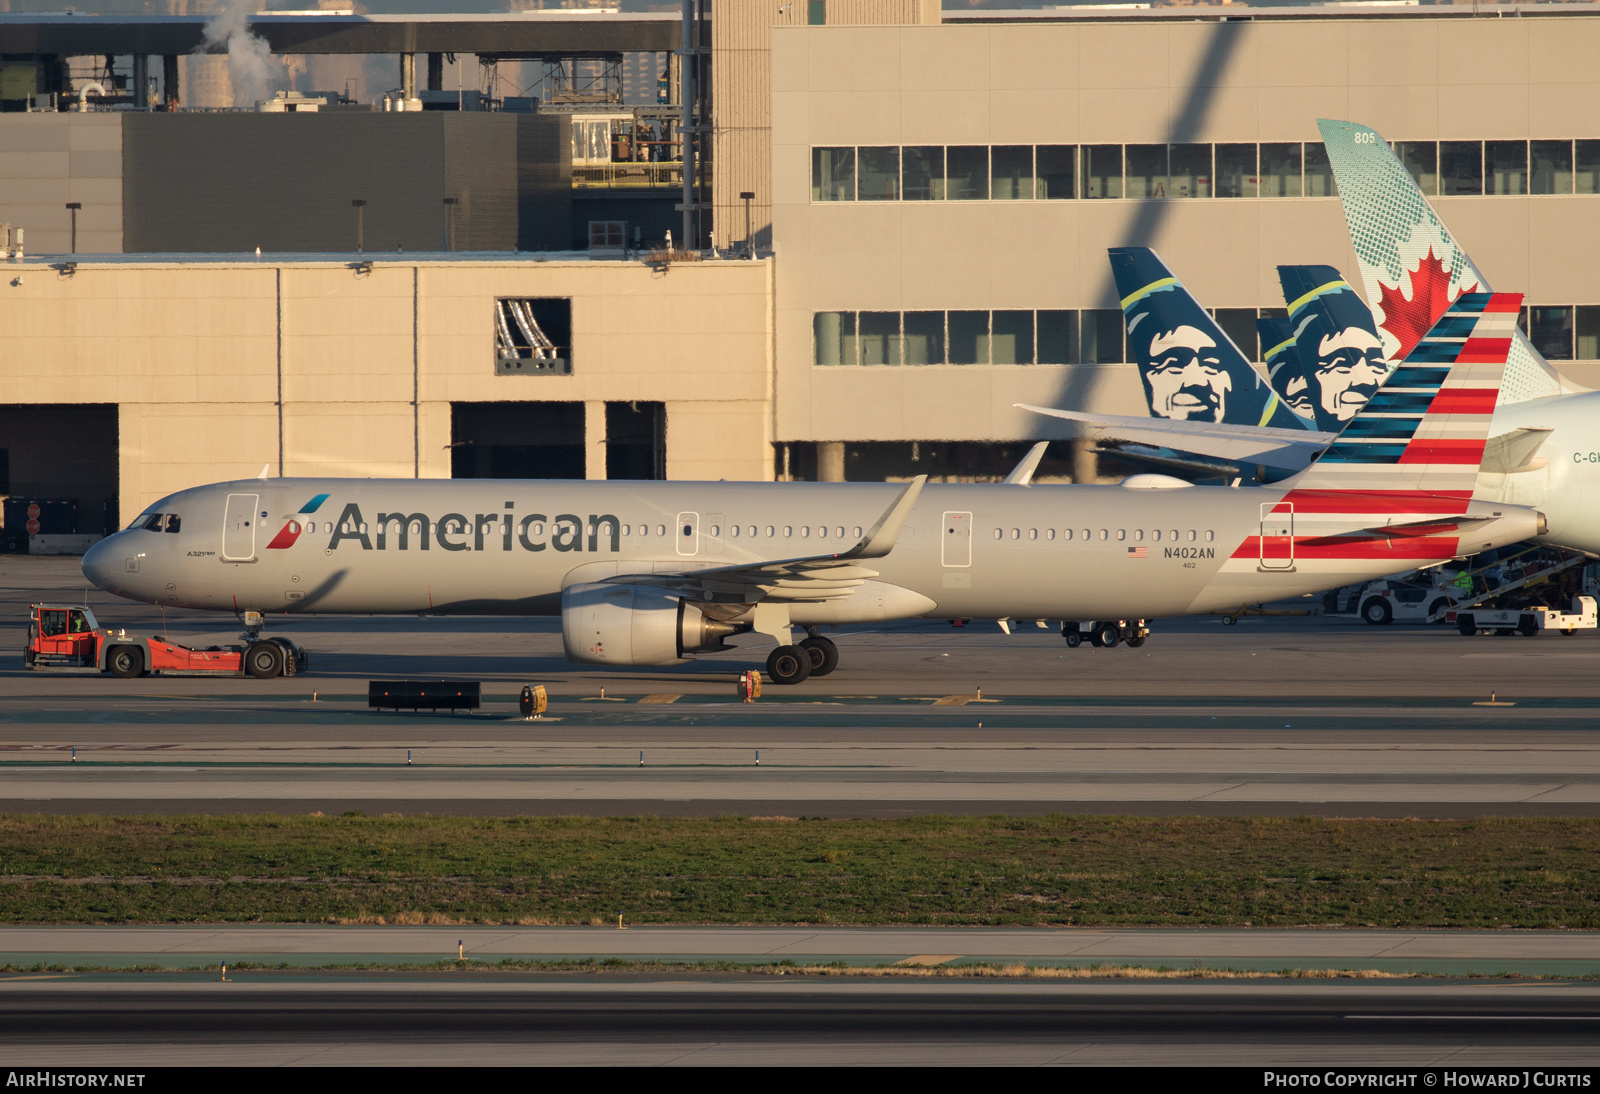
(635, 625)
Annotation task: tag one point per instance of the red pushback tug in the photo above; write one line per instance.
(63, 638)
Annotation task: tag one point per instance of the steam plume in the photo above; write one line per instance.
(251, 69)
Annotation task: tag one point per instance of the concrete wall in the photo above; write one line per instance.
(226, 367)
(47, 160)
(1149, 81)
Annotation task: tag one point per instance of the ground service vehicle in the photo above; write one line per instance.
(1528, 621)
(63, 638)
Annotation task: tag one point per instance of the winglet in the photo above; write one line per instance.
(882, 536)
(264, 468)
(1022, 474)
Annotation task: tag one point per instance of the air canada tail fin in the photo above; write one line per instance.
(1425, 430)
(1411, 266)
(1191, 369)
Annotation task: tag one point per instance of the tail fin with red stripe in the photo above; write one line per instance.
(1426, 428)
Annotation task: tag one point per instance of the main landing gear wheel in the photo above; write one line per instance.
(788, 665)
(824, 655)
(126, 662)
(264, 660)
(1105, 635)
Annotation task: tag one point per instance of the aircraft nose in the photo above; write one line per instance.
(101, 561)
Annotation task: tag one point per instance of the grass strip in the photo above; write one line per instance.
(1032, 871)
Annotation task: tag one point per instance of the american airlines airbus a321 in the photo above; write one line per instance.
(648, 573)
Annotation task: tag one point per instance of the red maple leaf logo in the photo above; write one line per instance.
(1409, 320)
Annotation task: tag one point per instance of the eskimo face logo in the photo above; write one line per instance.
(292, 528)
(1186, 376)
(1350, 369)
(1409, 320)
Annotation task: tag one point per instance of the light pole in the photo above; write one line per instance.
(361, 215)
(749, 244)
(450, 223)
(72, 209)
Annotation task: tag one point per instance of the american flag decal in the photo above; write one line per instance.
(1138, 552)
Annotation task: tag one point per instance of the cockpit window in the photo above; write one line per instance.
(174, 522)
(153, 523)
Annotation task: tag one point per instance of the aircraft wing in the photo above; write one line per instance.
(1289, 449)
(809, 577)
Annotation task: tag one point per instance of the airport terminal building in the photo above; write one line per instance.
(900, 225)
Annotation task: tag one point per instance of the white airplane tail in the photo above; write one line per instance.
(1411, 266)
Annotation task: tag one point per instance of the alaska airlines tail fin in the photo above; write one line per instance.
(1191, 369)
(1425, 430)
(1337, 341)
(1411, 267)
(1284, 368)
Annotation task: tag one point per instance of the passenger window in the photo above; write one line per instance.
(1138, 533)
(1156, 535)
(839, 533)
(1210, 536)
(716, 529)
(1122, 534)
(805, 531)
(788, 530)
(174, 522)
(733, 530)
(1104, 535)
(1191, 535)
(771, 531)
(858, 532)
(1050, 533)
(1173, 535)
(627, 530)
(1033, 533)
(661, 529)
(1016, 533)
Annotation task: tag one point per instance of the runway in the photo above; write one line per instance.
(455, 1020)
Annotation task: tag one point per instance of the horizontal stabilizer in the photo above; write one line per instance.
(1513, 452)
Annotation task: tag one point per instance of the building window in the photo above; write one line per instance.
(969, 337)
(1550, 331)
(1011, 172)
(1586, 167)
(1012, 341)
(1587, 326)
(835, 336)
(1145, 171)
(1318, 172)
(833, 174)
(924, 337)
(1103, 336)
(1239, 324)
(1189, 171)
(817, 12)
(1236, 171)
(1460, 167)
(1280, 170)
(1102, 171)
(1058, 337)
(608, 235)
(1506, 167)
(1550, 167)
(1421, 158)
(880, 338)
(532, 336)
(922, 173)
(878, 174)
(967, 173)
(1055, 171)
